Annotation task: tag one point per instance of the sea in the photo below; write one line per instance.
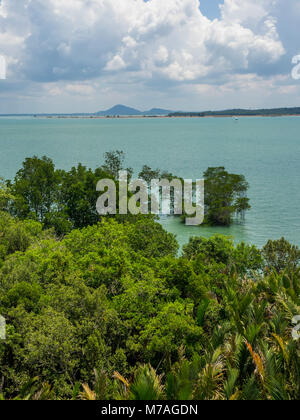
(264, 149)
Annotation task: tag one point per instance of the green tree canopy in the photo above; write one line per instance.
(35, 188)
(280, 255)
(225, 195)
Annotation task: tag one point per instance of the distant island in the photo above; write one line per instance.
(128, 111)
(122, 111)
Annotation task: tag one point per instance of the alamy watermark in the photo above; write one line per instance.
(296, 329)
(178, 197)
(2, 68)
(2, 328)
(296, 68)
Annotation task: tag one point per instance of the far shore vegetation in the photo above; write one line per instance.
(274, 112)
(121, 111)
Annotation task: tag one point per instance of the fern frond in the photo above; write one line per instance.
(88, 394)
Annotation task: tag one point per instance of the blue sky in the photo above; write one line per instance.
(210, 8)
(87, 55)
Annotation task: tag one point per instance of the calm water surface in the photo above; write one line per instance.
(265, 150)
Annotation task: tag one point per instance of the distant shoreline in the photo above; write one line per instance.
(142, 117)
(125, 112)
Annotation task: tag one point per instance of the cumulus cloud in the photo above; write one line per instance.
(79, 39)
(168, 41)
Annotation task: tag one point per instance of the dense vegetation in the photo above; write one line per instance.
(241, 113)
(111, 311)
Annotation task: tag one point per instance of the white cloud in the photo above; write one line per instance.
(249, 13)
(156, 42)
(78, 39)
(162, 55)
(116, 63)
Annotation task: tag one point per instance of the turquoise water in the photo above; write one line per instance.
(265, 150)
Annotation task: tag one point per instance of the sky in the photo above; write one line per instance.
(88, 55)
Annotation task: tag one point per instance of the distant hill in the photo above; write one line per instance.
(128, 111)
(119, 110)
(157, 111)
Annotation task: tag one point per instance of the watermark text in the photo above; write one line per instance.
(2, 328)
(160, 196)
(296, 68)
(296, 329)
(2, 68)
